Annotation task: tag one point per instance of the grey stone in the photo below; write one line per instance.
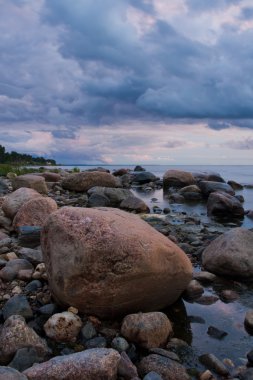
(98, 200)
(144, 177)
(17, 305)
(32, 255)
(98, 342)
(25, 358)
(120, 344)
(7, 373)
(88, 331)
(33, 286)
(152, 376)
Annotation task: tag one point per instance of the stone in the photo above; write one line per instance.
(222, 205)
(165, 367)
(216, 333)
(97, 342)
(48, 309)
(94, 364)
(193, 290)
(51, 177)
(147, 329)
(15, 200)
(84, 181)
(4, 188)
(246, 374)
(213, 363)
(144, 177)
(235, 185)
(248, 321)
(32, 255)
(98, 200)
(25, 358)
(88, 331)
(207, 176)
(15, 266)
(227, 295)
(126, 368)
(120, 344)
(177, 179)
(31, 181)
(206, 375)
(7, 373)
(63, 327)
(152, 376)
(120, 172)
(208, 187)
(230, 254)
(107, 262)
(17, 305)
(15, 335)
(114, 195)
(33, 286)
(34, 212)
(134, 204)
(139, 168)
(250, 357)
(204, 276)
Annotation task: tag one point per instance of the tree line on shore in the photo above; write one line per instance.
(22, 159)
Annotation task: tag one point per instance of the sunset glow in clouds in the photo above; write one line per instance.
(130, 81)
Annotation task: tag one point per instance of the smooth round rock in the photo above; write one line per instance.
(15, 200)
(63, 327)
(177, 178)
(231, 254)
(17, 305)
(32, 181)
(108, 262)
(84, 181)
(147, 329)
(7, 373)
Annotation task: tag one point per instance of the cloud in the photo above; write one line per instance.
(246, 144)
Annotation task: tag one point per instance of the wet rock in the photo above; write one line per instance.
(25, 358)
(139, 168)
(177, 179)
(235, 185)
(168, 354)
(97, 342)
(15, 200)
(120, 172)
(147, 329)
(4, 188)
(96, 364)
(208, 187)
(29, 236)
(248, 321)
(216, 333)
(207, 375)
(34, 212)
(144, 177)
(221, 204)
(17, 305)
(31, 181)
(204, 276)
(213, 363)
(63, 327)
(32, 255)
(231, 254)
(107, 262)
(15, 335)
(84, 181)
(134, 204)
(228, 295)
(126, 368)
(120, 344)
(240, 198)
(193, 290)
(207, 300)
(7, 373)
(176, 198)
(168, 369)
(40, 272)
(207, 176)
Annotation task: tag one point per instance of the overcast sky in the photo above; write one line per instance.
(128, 81)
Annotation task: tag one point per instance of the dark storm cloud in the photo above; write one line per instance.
(87, 63)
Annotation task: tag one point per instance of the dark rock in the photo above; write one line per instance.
(250, 357)
(208, 187)
(196, 319)
(49, 309)
(25, 358)
(240, 198)
(17, 305)
(228, 295)
(98, 342)
(4, 188)
(88, 331)
(235, 185)
(134, 204)
(32, 255)
(213, 363)
(208, 176)
(168, 354)
(177, 179)
(139, 168)
(207, 300)
(248, 321)
(216, 333)
(144, 177)
(193, 290)
(11, 269)
(120, 172)
(152, 376)
(29, 236)
(222, 205)
(126, 368)
(247, 374)
(98, 200)
(33, 286)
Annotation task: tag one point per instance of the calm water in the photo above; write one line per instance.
(225, 316)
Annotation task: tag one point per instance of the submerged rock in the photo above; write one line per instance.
(106, 262)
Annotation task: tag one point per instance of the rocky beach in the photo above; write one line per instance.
(99, 281)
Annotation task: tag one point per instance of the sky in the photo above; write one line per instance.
(128, 81)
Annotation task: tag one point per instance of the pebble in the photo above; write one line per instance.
(193, 290)
(250, 357)
(120, 344)
(33, 286)
(126, 368)
(248, 321)
(98, 342)
(88, 331)
(63, 327)
(7, 373)
(25, 358)
(48, 309)
(17, 305)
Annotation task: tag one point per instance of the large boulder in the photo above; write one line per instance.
(144, 177)
(108, 262)
(208, 187)
(177, 178)
(51, 177)
(15, 200)
(34, 212)
(223, 204)
(207, 176)
(93, 364)
(86, 180)
(31, 181)
(231, 254)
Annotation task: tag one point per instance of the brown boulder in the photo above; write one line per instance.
(177, 178)
(86, 180)
(31, 181)
(15, 200)
(133, 203)
(34, 212)
(149, 330)
(93, 364)
(51, 177)
(223, 204)
(106, 262)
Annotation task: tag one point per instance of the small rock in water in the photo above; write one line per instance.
(213, 363)
(229, 295)
(207, 300)
(216, 333)
(193, 290)
(126, 368)
(207, 375)
(204, 276)
(250, 358)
